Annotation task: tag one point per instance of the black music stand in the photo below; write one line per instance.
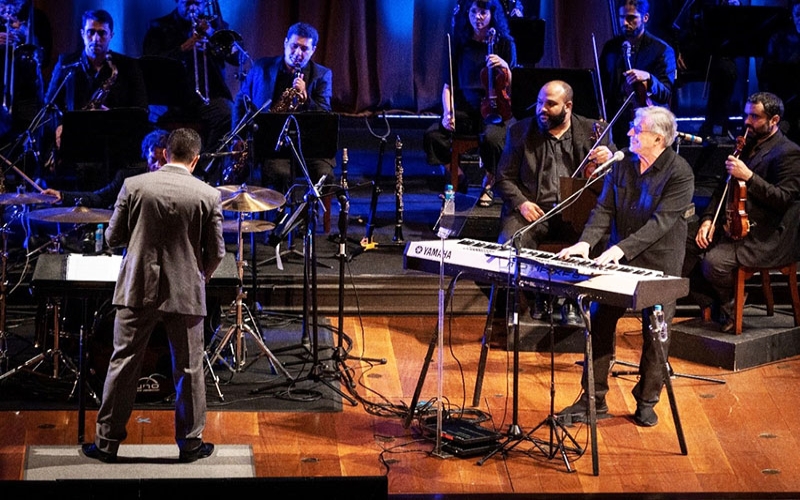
(103, 137)
(526, 83)
(528, 36)
(164, 80)
(315, 136)
(741, 31)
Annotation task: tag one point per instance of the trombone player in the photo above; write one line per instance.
(186, 35)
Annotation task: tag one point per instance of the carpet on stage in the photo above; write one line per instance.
(136, 461)
(281, 373)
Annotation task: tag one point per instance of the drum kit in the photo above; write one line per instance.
(243, 199)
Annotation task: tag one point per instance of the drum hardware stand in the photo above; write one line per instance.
(312, 199)
(236, 333)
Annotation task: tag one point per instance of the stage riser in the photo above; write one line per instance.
(763, 340)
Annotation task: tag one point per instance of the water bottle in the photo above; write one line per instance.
(658, 324)
(98, 239)
(449, 207)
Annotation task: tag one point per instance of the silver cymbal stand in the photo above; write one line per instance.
(236, 333)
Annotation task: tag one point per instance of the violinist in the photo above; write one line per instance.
(470, 109)
(769, 169)
(635, 62)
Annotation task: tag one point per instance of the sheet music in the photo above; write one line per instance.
(102, 268)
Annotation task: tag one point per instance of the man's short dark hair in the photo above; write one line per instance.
(183, 145)
(155, 139)
(303, 30)
(773, 105)
(101, 16)
(643, 6)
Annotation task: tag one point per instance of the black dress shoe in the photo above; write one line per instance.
(92, 451)
(645, 416)
(202, 451)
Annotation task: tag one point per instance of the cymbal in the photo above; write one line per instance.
(25, 198)
(75, 215)
(250, 199)
(248, 226)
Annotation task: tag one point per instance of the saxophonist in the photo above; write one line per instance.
(94, 78)
(293, 83)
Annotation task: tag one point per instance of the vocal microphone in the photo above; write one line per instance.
(600, 170)
(694, 139)
(282, 137)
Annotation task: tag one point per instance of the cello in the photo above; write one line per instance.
(496, 104)
(737, 224)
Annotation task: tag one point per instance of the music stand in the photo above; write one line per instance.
(526, 83)
(102, 136)
(528, 36)
(737, 31)
(164, 80)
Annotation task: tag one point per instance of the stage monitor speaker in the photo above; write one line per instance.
(526, 83)
(528, 36)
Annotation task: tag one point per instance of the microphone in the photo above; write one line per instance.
(694, 139)
(282, 137)
(71, 66)
(600, 170)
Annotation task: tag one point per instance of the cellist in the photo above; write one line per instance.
(462, 98)
(769, 168)
(647, 68)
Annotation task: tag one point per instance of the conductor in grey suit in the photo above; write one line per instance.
(171, 225)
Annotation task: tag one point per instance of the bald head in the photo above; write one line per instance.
(554, 105)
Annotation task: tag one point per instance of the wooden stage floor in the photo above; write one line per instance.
(742, 428)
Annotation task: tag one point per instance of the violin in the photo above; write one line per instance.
(737, 225)
(496, 104)
(642, 99)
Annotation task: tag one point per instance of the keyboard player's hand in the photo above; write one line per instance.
(580, 248)
(610, 256)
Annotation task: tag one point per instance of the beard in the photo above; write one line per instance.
(548, 122)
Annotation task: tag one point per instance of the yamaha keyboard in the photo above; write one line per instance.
(618, 285)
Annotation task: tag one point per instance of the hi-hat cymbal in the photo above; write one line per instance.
(72, 215)
(250, 199)
(248, 226)
(25, 198)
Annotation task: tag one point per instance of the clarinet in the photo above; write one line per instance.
(398, 191)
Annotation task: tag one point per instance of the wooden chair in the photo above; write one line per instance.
(744, 273)
(460, 145)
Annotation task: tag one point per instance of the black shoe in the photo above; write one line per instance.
(579, 411)
(202, 451)
(92, 451)
(645, 416)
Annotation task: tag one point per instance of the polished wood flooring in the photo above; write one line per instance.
(742, 428)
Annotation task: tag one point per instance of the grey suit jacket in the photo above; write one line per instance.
(171, 225)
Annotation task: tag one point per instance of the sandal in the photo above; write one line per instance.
(487, 197)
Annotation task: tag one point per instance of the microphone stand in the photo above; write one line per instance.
(605, 132)
(312, 198)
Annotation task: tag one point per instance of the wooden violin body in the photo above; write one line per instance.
(496, 104)
(737, 224)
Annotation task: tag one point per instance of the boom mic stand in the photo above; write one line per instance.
(312, 198)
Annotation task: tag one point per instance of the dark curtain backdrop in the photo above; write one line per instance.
(386, 55)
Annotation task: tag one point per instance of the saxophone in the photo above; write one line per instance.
(291, 99)
(101, 94)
